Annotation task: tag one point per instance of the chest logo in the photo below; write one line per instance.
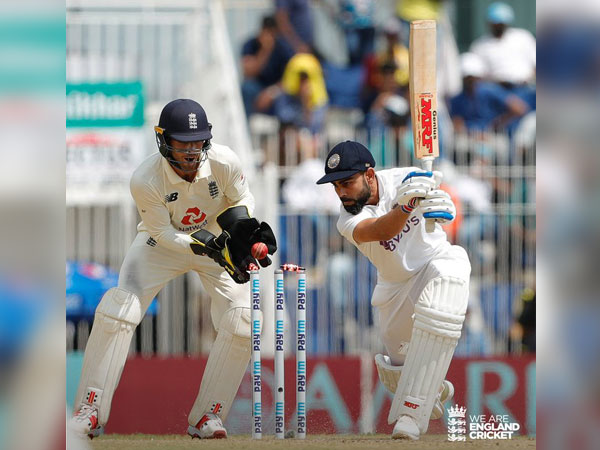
(213, 189)
(171, 197)
(192, 216)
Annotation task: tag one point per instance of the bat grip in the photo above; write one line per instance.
(427, 163)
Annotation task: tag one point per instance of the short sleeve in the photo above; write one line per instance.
(347, 222)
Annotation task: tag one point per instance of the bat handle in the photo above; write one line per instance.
(430, 225)
(427, 163)
(428, 166)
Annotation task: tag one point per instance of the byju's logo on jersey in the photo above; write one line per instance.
(193, 216)
(171, 197)
(193, 121)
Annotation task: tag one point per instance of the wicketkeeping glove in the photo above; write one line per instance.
(245, 231)
(414, 187)
(206, 243)
(439, 206)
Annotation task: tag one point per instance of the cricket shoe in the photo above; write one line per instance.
(406, 428)
(85, 422)
(209, 427)
(445, 395)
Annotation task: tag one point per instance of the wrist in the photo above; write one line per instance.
(410, 206)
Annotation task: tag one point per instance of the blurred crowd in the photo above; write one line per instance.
(286, 76)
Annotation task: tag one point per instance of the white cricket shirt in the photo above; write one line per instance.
(398, 259)
(510, 58)
(172, 208)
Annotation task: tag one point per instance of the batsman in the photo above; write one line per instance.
(394, 218)
(195, 206)
(422, 280)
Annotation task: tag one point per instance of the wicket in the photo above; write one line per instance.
(279, 352)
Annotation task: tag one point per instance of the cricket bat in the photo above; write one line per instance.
(423, 95)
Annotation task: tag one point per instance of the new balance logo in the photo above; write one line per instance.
(193, 121)
(171, 197)
(151, 242)
(213, 189)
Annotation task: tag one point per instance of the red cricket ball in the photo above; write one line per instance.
(259, 250)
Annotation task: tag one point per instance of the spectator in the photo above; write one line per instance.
(508, 54)
(483, 105)
(303, 102)
(295, 22)
(264, 58)
(356, 18)
(394, 53)
(390, 107)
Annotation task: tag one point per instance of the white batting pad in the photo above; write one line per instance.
(389, 375)
(439, 315)
(225, 367)
(117, 315)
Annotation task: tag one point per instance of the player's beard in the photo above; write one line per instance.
(360, 201)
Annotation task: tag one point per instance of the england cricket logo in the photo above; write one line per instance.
(193, 121)
(457, 423)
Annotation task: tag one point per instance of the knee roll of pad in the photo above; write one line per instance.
(121, 305)
(437, 322)
(446, 295)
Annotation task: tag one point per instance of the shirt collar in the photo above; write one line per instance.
(203, 172)
(380, 188)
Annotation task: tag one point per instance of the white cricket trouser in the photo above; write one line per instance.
(396, 301)
(146, 270)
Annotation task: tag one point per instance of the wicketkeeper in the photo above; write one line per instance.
(196, 212)
(422, 281)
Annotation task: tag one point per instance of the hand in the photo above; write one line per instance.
(414, 187)
(439, 206)
(206, 244)
(245, 232)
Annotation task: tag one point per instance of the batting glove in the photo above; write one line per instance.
(414, 187)
(439, 206)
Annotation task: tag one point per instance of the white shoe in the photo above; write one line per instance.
(209, 427)
(406, 428)
(445, 395)
(85, 422)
